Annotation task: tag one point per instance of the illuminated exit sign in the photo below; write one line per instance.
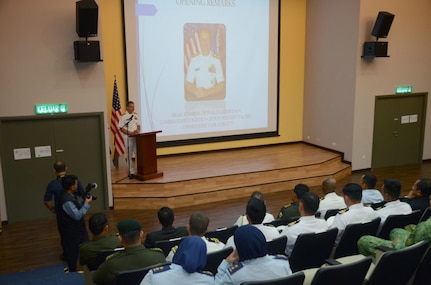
(43, 109)
(403, 89)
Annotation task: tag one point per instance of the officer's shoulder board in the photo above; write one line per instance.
(216, 55)
(281, 257)
(174, 249)
(156, 249)
(293, 223)
(213, 239)
(322, 198)
(112, 255)
(159, 269)
(235, 267)
(209, 273)
(196, 54)
(343, 211)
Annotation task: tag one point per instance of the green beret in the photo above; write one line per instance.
(130, 225)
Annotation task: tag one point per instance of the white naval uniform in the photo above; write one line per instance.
(175, 274)
(205, 71)
(270, 233)
(393, 208)
(305, 224)
(356, 213)
(242, 220)
(329, 202)
(371, 196)
(212, 245)
(262, 268)
(130, 124)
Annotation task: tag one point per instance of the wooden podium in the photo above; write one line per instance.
(146, 156)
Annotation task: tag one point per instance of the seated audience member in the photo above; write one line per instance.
(356, 211)
(198, 226)
(391, 192)
(250, 261)
(134, 256)
(289, 212)
(399, 238)
(370, 195)
(88, 251)
(307, 223)
(418, 196)
(331, 200)
(242, 220)
(186, 268)
(166, 219)
(255, 212)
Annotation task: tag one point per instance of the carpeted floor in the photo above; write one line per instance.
(52, 275)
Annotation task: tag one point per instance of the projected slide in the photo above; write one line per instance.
(203, 68)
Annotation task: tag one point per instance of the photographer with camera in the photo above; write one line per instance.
(70, 219)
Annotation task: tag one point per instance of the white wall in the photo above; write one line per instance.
(341, 110)
(37, 65)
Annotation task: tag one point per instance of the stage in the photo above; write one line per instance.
(204, 177)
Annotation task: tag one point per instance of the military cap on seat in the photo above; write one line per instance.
(129, 225)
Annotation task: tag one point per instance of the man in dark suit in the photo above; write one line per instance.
(166, 218)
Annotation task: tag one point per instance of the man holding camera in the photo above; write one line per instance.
(71, 222)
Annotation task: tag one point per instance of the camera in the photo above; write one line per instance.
(88, 188)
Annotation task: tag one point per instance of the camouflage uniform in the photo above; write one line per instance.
(399, 238)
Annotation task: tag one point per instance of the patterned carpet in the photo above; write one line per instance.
(52, 275)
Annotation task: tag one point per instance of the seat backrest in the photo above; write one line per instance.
(222, 234)
(425, 215)
(167, 245)
(135, 276)
(215, 258)
(398, 221)
(348, 244)
(311, 249)
(423, 272)
(104, 254)
(396, 267)
(277, 245)
(294, 279)
(351, 273)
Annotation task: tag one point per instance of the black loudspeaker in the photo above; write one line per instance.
(382, 25)
(87, 13)
(87, 50)
(375, 49)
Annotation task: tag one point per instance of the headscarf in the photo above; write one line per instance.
(250, 242)
(191, 254)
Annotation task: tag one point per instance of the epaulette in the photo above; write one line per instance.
(195, 55)
(379, 208)
(174, 249)
(235, 267)
(213, 239)
(111, 255)
(158, 249)
(159, 269)
(343, 211)
(293, 223)
(280, 256)
(209, 273)
(322, 198)
(216, 56)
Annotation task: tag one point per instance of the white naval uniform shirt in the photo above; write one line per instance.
(205, 71)
(357, 213)
(393, 208)
(210, 243)
(242, 220)
(329, 202)
(306, 224)
(270, 233)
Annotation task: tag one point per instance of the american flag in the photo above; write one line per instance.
(119, 145)
(191, 43)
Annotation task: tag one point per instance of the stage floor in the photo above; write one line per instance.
(216, 175)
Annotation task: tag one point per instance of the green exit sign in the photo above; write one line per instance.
(43, 109)
(403, 89)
